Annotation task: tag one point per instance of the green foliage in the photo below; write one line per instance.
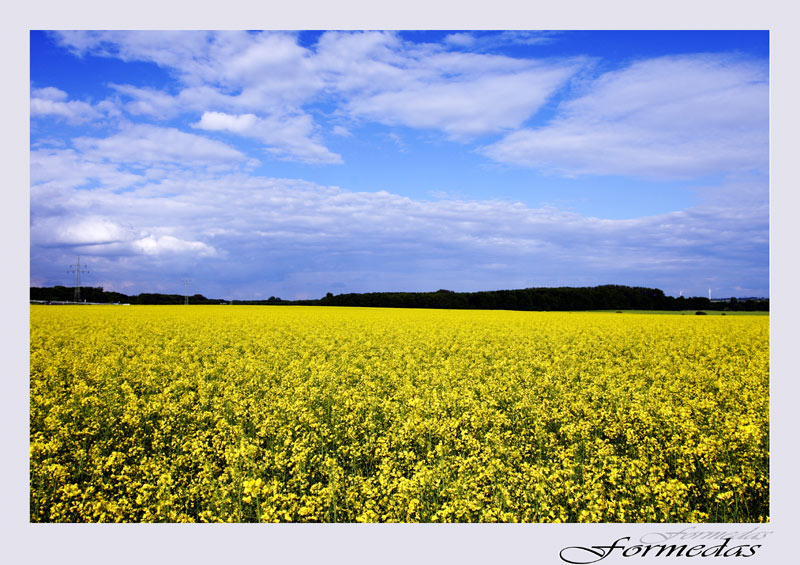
(606, 297)
(97, 294)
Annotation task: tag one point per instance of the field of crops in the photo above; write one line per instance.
(248, 413)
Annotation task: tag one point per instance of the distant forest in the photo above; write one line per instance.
(606, 297)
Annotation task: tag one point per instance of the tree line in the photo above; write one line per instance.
(605, 297)
(97, 294)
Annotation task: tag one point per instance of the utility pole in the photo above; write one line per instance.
(78, 270)
(186, 283)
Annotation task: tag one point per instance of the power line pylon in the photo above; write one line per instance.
(186, 283)
(78, 269)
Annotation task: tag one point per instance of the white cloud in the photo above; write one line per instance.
(146, 144)
(265, 68)
(273, 70)
(524, 37)
(461, 94)
(219, 121)
(53, 170)
(50, 93)
(357, 61)
(74, 231)
(281, 229)
(190, 52)
(168, 244)
(463, 108)
(371, 75)
(341, 131)
(51, 101)
(673, 117)
(288, 137)
(460, 39)
(148, 101)
(483, 41)
(96, 235)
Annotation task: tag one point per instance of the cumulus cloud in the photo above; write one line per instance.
(460, 39)
(483, 41)
(460, 94)
(49, 93)
(283, 231)
(188, 52)
(57, 169)
(524, 37)
(77, 231)
(261, 80)
(370, 75)
(290, 137)
(672, 117)
(51, 101)
(147, 144)
(102, 236)
(341, 131)
(219, 121)
(667, 117)
(148, 101)
(167, 244)
(464, 108)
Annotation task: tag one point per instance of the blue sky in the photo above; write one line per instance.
(293, 164)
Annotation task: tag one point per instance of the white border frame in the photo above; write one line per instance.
(377, 543)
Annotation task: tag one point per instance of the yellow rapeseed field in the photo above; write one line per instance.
(270, 413)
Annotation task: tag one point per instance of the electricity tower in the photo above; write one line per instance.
(78, 269)
(186, 283)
